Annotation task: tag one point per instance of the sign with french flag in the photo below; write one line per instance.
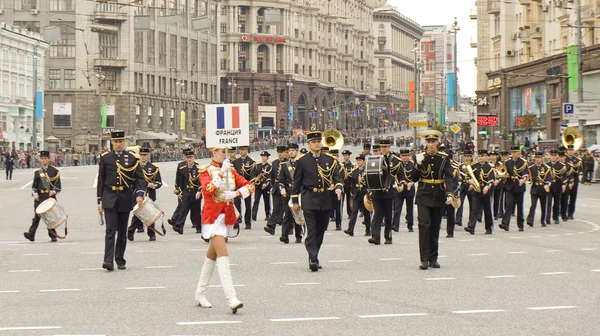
(227, 125)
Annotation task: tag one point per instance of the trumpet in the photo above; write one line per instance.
(298, 216)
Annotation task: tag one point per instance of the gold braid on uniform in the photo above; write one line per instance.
(407, 174)
(149, 177)
(193, 182)
(518, 172)
(52, 180)
(247, 171)
(558, 174)
(122, 175)
(327, 173)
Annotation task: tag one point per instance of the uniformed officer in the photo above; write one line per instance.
(564, 197)
(348, 166)
(285, 183)
(119, 178)
(383, 199)
(278, 200)
(336, 214)
(541, 179)
(405, 193)
(437, 183)
(575, 164)
(357, 195)
(46, 184)
(560, 182)
(480, 198)
(464, 189)
(376, 149)
(244, 166)
(261, 177)
(186, 180)
(366, 149)
(177, 191)
(498, 161)
(154, 181)
(314, 175)
(516, 170)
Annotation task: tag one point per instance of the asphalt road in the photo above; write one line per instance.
(543, 281)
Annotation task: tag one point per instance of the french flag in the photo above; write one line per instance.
(228, 117)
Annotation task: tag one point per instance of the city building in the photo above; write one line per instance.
(308, 61)
(22, 57)
(139, 75)
(395, 63)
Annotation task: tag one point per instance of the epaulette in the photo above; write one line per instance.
(299, 156)
(442, 153)
(204, 168)
(102, 154)
(181, 167)
(331, 156)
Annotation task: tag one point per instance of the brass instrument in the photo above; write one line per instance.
(572, 136)
(469, 171)
(501, 171)
(332, 138)
(368, 203)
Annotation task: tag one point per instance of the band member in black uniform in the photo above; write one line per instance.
(499, 199)
(357, 195)
(564, 197)
(315, 174)
(261, 177)
(9, 160)
(46, 184)
(186, 180)
(244, 166)
(383, 199)
(559, 185)
(437, 183)
(366, 149)
(450, 210)
(464, 189)
(177, 191)
(154, 181)
(480, 196)
(541, 179)
(278, 201)
(348, 166)
(405, 192)
(285, 183)
(577, 174)
(336, 214)
(514, 189)
(119, 179)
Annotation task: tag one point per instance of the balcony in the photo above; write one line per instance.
(525, 2)
(109, 12)
(473, 14)
(381, 39)
(473, 45)
(493, 7)
(110, 63)
(588, 16)
(242, 19)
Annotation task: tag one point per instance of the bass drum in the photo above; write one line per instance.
(375, 177)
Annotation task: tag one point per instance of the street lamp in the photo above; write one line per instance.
(233, 85)
(101, 78)
(290, 118)
(454, 30)
(181, 85)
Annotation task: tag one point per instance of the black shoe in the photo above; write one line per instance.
(388, 242)
(248, 227)
(434, 264)
(470, 230)
(269, 230)
(411, 230)
(200, 232)
(178, 229)
(564, 219)
(450, 236)
(521, 229)
(338, 228)
(313, 266)
(556, 222)
(503, 227)
(29, 236)
(298, 240)
(130, 235)
(571, 218)
(140, 230)
(530, 224)
(543, 224)
(254, 218)
(458, 223)
(108, 266)
(267, 218)
(372, 241)
(424, 265)
(153, 238)
(495, 217)
(488, 232)
(121, 266)
(284, 240)
(332, 219)
(53, 240)
(349, 233)
(171, 222)
(395, 229)
(193, 226)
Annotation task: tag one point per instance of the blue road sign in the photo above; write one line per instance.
(568, 109)
(334, 114)
(313, 114)
(372, 112)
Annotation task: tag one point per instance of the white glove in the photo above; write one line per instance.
(226, 166)
(449, 200)
(420, 158)
(229, 195)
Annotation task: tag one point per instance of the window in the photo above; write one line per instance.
(62, 5)
(173, 51)
(381, 86)
(329, 59)
(381, 30)
(62, 114)
(381, 63)
(69, 78)
(223, 28)
(110, 81)
(296, 51)
(109, 45)
(33, 26)
(150, 121)
(296, 68)
(246, 94)
(184, 53)
(241, 28)
(265, 99)
(310, 71)
(422, 47)
(309, 53)
(54, 77)
(151, 48)
(162, 48)
(138, 47)
(282, 96)
(381, 73)
(555, 93)
(431, 47)
(25, 4)
(203, 58)
(66, 46)
(223, 46)
(223, 64)
(194, 54)
(137, 116)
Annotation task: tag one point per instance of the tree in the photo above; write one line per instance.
(440, 128)
(466, 129)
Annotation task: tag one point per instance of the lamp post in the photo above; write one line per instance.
(233, 85)
(290, 118)
(417, 52)
(181, 85)
(454, 30)
(101, 77)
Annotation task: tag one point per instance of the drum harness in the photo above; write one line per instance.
(150, 177)
(51, 183)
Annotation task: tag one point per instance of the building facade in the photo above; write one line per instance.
(298, 64)
(20, 51)
(141, 76)
(394, 58)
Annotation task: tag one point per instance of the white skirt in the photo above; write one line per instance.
(218, 228)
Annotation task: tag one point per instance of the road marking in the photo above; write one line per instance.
(517, 252)
(95, 184)
(490, 239)
(466, 240)
(155, 267)
(30, 328)
(23, 271)
(300, 319)
(219, 286)
(147, 251)
(207, 322)
(9, 291)
(515, 237)
(553, 251)
(438, 279)
(479, 311)
(302, 283)
(164, 184)
(97, 252)
(554, 273)
(35, 254)
(246, 248)
(569, 234)
(390, 259)
(479, 254)
(340, 261)
(589, 249)
(536, 236)
(372, 281)
(151, 287)
(553, 235)
(283, 263)
(500, 276)
(60, 290)
(598, 270)
(393, 315)
(551, 307)
(91, 269)
(26, 185)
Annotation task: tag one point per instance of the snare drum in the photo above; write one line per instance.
(148, 213)
(52, 213)
(375, 177)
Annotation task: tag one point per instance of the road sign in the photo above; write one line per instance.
(313, 127)
(334, 114)
(455, 128)
(457, 116)
(581, 111)
(417, 120)
(372, 113)
(562, 129)
(226, 124)
(313, 114)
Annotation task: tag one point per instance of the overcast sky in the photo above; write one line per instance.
(442, 12)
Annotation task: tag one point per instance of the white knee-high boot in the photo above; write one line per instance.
(227, 283)
(205, 274)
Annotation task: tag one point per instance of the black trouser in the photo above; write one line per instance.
(278, 209)
(383, 208)
(247, 210)
(36, 219)
(450, 210)
(190, 204)
(553, 202)
(264, 193)
(316, 225)
(175, 216)
(398, 203)
(587, 176)
(564, 204)
(430, 220)
(543, 205)
(514, 199)
(9, 171)
(348, 198)
(459, 211)
(116, 223)
(573, 197)
(478, 204)
(288, 221)
(498, 202)
(137, 224)
(337, 210)
(358, 205)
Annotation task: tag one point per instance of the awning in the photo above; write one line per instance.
(166, 137)
(52, 139)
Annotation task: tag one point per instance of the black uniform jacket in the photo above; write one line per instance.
(119, 178)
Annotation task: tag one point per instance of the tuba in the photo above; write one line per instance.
(298, 216)
(469, 171)
(368, 203)
(572, 136)
(332, 138)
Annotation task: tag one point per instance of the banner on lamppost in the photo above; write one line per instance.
(573, 68)
(182, 121)
(291, 112)
(451, 88)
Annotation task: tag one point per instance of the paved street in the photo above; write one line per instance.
(543, 281)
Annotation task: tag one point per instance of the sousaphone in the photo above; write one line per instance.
(572, 136)
(332, 138)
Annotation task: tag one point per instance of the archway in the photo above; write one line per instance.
(300, 116)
